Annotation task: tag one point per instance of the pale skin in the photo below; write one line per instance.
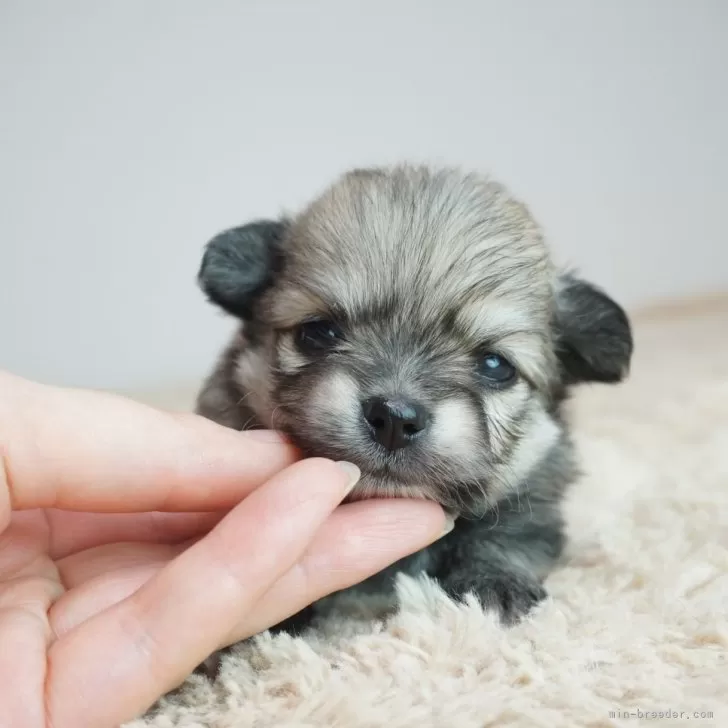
(135, 542)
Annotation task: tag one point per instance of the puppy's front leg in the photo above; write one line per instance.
(504, 557)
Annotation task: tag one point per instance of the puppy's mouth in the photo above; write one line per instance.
(382, 471)
(381, 468)
(399, 475)
(407, 472)
(370, 486)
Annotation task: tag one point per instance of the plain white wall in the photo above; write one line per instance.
(132, 131)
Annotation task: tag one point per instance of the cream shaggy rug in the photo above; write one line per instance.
(636, 626)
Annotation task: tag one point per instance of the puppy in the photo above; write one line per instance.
(410, 320)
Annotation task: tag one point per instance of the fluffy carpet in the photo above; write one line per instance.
(636, 626)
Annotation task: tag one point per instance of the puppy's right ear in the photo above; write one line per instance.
(593, 333)
(238, 264)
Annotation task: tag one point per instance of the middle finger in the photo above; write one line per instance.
(77, 569)
(72, 532)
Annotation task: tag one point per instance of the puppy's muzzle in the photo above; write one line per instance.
(394, 423)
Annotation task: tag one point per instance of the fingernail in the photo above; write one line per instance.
(352, 472)
(449, 525)
(270, 436)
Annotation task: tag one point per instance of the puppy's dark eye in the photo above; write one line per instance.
(317, 336)
(496, 369)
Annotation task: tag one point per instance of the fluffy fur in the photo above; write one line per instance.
(424, 274)
(636, 618)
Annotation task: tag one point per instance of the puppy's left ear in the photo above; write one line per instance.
(592, 332)
(238, 264)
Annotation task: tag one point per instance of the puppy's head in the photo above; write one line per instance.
(410, 321)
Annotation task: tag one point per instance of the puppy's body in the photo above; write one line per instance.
(410, 321)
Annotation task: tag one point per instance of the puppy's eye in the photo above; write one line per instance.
(317, 336)
(496, 369)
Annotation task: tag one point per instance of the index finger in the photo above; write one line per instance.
(84, 450)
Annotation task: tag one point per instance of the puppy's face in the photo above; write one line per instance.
(410, 321)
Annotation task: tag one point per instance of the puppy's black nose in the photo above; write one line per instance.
(394, 423)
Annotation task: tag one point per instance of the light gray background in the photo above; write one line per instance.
(131, 131)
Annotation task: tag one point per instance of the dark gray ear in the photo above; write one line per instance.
(593, 333)
(239, 263)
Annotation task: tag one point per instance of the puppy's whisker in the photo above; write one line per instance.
(273, 415)
(241, 401)
(248, 422)
(530, 507)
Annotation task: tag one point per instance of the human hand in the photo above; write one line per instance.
(134, 543)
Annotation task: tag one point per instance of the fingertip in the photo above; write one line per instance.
(352, 473)
(411, 520)
(391, 523)
(321, 467)
(448, 525)
(317, 480)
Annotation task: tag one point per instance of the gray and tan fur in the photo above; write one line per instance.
(422, 273)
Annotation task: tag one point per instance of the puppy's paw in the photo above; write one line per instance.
(511, 595)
